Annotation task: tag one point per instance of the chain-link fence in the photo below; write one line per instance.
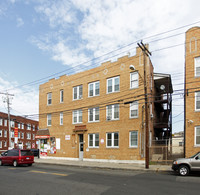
(165, 151)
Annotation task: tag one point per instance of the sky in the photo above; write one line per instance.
(43, 39)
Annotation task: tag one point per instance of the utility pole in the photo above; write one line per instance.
(146, 53)
(7, 101)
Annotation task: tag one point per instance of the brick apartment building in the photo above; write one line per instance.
(192, 91)
(27, 130)
(87, 115)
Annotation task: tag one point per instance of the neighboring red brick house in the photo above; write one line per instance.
(26, 132)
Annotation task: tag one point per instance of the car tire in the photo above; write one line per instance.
(1, 164)
(15, 163)
(30, 165)
(183, 170)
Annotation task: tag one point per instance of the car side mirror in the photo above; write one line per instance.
(197, 157)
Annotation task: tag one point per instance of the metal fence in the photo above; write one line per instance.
(165, 151)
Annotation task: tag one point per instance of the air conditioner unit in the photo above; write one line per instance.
(108, 118)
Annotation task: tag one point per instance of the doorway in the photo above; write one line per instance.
(80, 146)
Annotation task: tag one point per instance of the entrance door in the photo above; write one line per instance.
(80, 146)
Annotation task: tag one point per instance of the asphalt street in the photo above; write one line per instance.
(55, 179)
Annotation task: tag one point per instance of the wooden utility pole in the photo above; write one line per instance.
(146, 53)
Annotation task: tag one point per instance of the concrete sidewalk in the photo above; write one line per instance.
(105, 165)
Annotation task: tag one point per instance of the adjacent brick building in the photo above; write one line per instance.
(192, 91)
(99, 114)
(27, 130)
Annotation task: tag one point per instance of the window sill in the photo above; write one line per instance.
(114, 147)
(112, 92)
(133, 147)
(93, 147)
(197, 146)
(133, 117)
(93, 96)
(77, 123)
(93, 121)
(77, 99)
(134, 88)
(112, 120)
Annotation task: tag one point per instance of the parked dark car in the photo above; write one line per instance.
(185, 165)
(17, 157)
(36, 152)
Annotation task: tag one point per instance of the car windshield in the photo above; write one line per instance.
(195, 155)
(26, 153)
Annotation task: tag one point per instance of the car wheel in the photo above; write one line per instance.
(183, 170)
(15, 163)
(1, 163)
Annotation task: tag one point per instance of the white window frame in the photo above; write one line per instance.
(12, 134)
(79, 95)
(112, 140)
(5, 133)
(19, 126)
(1, 121)
(61, 95)
(113, 79)
(28, 126)
(197, 65)
(22, 125)
(134, 82)
(0, 144)
(5, 122)
(5, 144)
(1, 133)
(94, 113)
(33, 135)
(49, 98)
(18, 134)
(197, 92)
(112, 117)
(78, 114)
(22, 135)
(195, 136)
(134, 107)
(130, 134)
(49, 120)
(28, 136)
(33, 127)
(94, 84)
(93, 140)
(61, 118)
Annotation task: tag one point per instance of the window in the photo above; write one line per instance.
(133, 139)
(12, 124)
(197, 66)
(19, 135)
(12, 134)
(19, 126)
(93, 89)
(12, 144)
(49, 98)
(197, 100)
(78, 92)
(134, 80)
(61, 96)
(22, 135)
(180, 143)
(5, 144)
(5, 133)
(48, 119)
(197, 136)
(61, 118)
(113, 84)
(0, 144)
(5, 123)
(93, 114)
(33, 136)
(77, 116)
(22, 125)
(33, 127)
(112, 140)
(28, 126)
(134, 110)
(1, 121)
(28, 136)
(28, 145)
(93, 140)
(112, 112)
(1, 133)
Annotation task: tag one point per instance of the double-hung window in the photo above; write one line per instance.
(5, 123)
(28, 126)
(61, 96)
(5, 133)
(112, 140)
(113, 84)
(93, 140)
(197, 136)
(77, 116)
(134, 80)
(78, 92)
(19, 126)
(22, 135)
(61, 118)
(12, 124)
(197, 100)
(93, 89)
(48, 119)
(197, 66)
(1, 121)
(134, 109)
(22, 125)
(1, 133)
(28, 136)
(112, 112)
(93, 114)
(133, 138)
(49, 98)
(0, 144)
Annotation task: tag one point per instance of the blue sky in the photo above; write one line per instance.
(41, 37)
